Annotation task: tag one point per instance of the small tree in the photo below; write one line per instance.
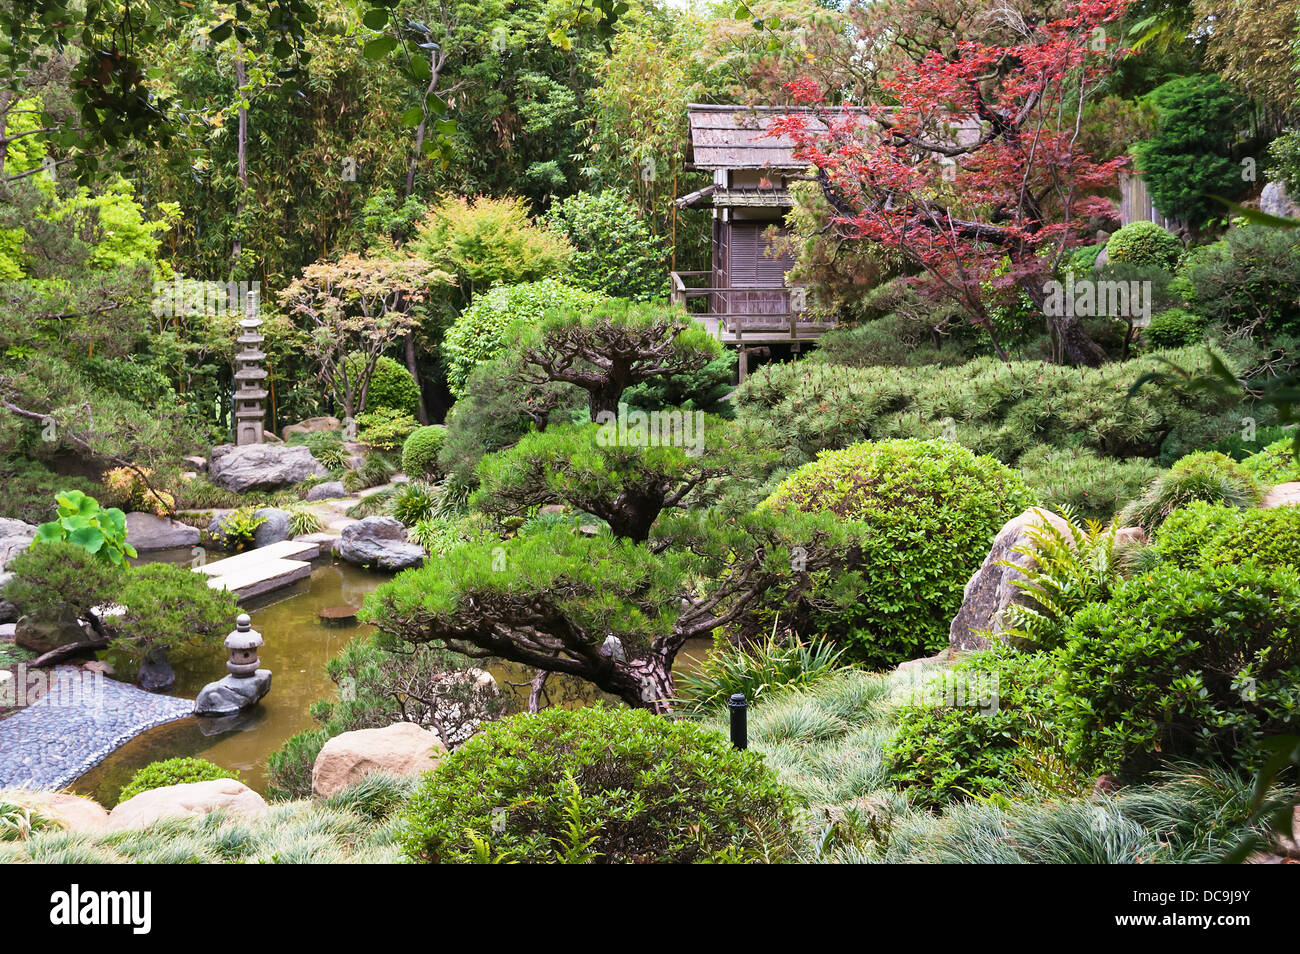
(614, 346)
(357, 306)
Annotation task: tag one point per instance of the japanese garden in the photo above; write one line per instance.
(650, 431)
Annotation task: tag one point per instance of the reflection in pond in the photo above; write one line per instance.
(298, 646)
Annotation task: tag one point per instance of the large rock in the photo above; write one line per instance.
(274, 527)
(71, 811)
(41, 636)
(1274, 200)
(378, 542)
(15, 537)
(232, 694)
(313, 425)
(146, 532)
(402, 748)
(1283, 495)
(191, 800)
(261, 466)
(327, 491)
(990, 591)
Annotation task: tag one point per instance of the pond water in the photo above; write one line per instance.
(298, 644)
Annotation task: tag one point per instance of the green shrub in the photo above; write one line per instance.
(893, 341)
(441, 535)
(1240, 449)
(968, 746)
(169, 607)
(1198, 663)
(1081, 261)
(614, 252)
(1284, 151)
(303, 520)
(1174, 328)
(173, 772)
(391, 386)
(1249, 279)
(757, 671)
(376, 468)
(1206, 475)
(1144, 243)
(28, 489)
(599, 784)
(288, 768)
(384, 430)
(923, 514)
(327, 447)
(53, 579)
(1275, 464)
(412, 503)
(237, 530)
(1082, 481)
(420, 452)
(480, 334)
(1205, 534)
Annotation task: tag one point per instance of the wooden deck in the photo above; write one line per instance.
(755, 315)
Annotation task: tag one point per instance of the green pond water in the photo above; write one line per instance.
(298, 644)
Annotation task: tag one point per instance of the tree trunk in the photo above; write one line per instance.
(645, 683)
(242, 152)
(420, 412)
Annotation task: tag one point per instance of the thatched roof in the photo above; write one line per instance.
(735, 137)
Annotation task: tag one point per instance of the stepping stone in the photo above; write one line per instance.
(258, 578)
(284, 550)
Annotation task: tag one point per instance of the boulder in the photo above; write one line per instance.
(146, 532)
(327, 491)
(155, 673)
(8, 612)
(41, 636)
(378, 542)
(313, 425)
(261, 466)
(72, 811)
(274, 528)
(1274, 200)
(1283, 495)
(232, 694)
(402, 748)
(200, 464)
(990, 591)
(15, 537)
(190, 800)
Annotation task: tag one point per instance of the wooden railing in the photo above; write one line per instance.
(735, 314)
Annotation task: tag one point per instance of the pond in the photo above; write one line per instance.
(298, 644)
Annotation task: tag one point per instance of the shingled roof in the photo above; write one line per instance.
(735, 137)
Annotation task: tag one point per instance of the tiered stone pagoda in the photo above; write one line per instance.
(250, 395)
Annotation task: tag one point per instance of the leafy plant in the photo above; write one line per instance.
(303, 520)
(384, 429)
(412, 503)
(1174, 328)
(420, 452)
(1206, 475)
(239, 527)
(614, 252)
(664, 791)
(82, 522)
(128, 486)
(758, 671)
(178, 771)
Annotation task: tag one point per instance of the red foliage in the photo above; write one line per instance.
(973, 165)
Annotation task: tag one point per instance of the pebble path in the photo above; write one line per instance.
(81, 719)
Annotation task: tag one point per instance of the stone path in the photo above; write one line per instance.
(81, 719)
(262, 570)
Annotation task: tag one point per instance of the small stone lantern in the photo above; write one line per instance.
(246, 684)
(243, 643)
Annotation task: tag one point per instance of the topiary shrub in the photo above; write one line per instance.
(970, 744)
(479, 333)
(1206, 534)
(1144, 243)
(1275, 464)
(1174, 328)
(1206, 475)
(1182, 663)
(598, 785)
(173, 772)
(923, 514)
(420, 452)
(391, 385)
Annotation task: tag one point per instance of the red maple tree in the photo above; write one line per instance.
(970, 166)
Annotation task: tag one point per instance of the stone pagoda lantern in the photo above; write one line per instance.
(250, 395)
(246, 684)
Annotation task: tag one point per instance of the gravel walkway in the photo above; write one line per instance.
(75, 725)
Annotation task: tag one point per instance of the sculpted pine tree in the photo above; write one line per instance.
(615, 346)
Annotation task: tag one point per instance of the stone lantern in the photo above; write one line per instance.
(250, 412)
(246, 684)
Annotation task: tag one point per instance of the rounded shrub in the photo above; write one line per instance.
(1182, 664)
(420, 452)
(1205, 475)
(173, 772)
(479, 333)
(1275, 464)
(1205, 534)
(598, 785)
(1174, 328)
(923, 514)
(391, 387)
(1144, 243)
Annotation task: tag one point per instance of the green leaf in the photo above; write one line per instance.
(413, 116)
(376, 18)
(379, 47)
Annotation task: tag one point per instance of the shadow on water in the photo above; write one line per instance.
(298, 644)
